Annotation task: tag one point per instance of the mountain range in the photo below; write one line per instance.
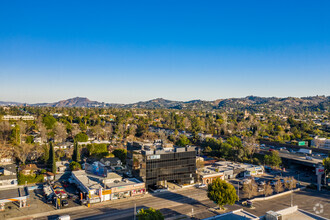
(249, 102)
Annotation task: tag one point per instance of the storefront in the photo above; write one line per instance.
(127, 188)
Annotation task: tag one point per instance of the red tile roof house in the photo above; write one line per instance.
(29, 169)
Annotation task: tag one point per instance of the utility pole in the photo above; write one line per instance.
(134, 211)
(238, 191)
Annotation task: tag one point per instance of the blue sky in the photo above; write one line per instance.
(128, 51)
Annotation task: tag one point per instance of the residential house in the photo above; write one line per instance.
(8, 175)
(48, 176)
(29, 169)
(111, 161)
(62, 166)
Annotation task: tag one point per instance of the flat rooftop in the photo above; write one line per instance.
(89, 181)
(239, 214)
(124, 182)
(13, 193)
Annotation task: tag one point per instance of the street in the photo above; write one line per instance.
(189, 202)
(170, 204)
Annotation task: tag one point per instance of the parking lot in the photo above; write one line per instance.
(38, 202)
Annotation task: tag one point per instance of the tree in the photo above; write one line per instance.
(222, 193)
(98, 131)
(250, 189)
(49, 121)
(15, 135)
(75, 166)
(273, 159)
(76, 152)
(250, 145)
(207, 149)
(278, 186)
(183, 141)
(81, 137)
(75, 130)
(22, 152)
(149, 214)
(268, 190)
(98, 149)
(108, 132)
(5, 130)
(199, 164)
(60, 132)
(43, 133)
(45, 156)
(121, 154)
(5, 150)
(52, 159)
(290, 183)
(326, 164)
(237, 146)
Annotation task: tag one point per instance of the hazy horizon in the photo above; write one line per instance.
(157, 98)
(125, 52)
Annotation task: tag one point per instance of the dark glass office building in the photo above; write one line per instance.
(156, 165)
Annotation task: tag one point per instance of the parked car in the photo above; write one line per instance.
(83, 202)
(201, 186)
(261, 183)
(309, 158)
(65, 203)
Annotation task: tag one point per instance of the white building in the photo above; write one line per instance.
(17, 117)
(321, 142)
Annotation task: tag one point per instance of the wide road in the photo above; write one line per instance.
(185, 202)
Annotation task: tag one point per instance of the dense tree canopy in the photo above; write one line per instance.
(273, 159)
(121, 154)
(149, 214)
(222, 193)
(81, 137)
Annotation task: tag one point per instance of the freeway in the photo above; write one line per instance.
(297, 158)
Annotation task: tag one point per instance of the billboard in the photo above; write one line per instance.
(319, 170)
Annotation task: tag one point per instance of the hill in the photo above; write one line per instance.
(252, 103)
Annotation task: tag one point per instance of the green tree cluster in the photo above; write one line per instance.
(183, 141)
(74, 166)
(120, 154)
(273, 159)
(149, 214)
(100, 150)
(81, 137)
(222, 193)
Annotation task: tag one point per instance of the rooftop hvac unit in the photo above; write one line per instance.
(271, 215)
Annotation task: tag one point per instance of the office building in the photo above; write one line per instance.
(158, 163)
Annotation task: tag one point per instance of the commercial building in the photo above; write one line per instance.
(111, 186)
(227, 170)
(321, 142)
(157, 163)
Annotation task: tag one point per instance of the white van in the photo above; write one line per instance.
(64, 217)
